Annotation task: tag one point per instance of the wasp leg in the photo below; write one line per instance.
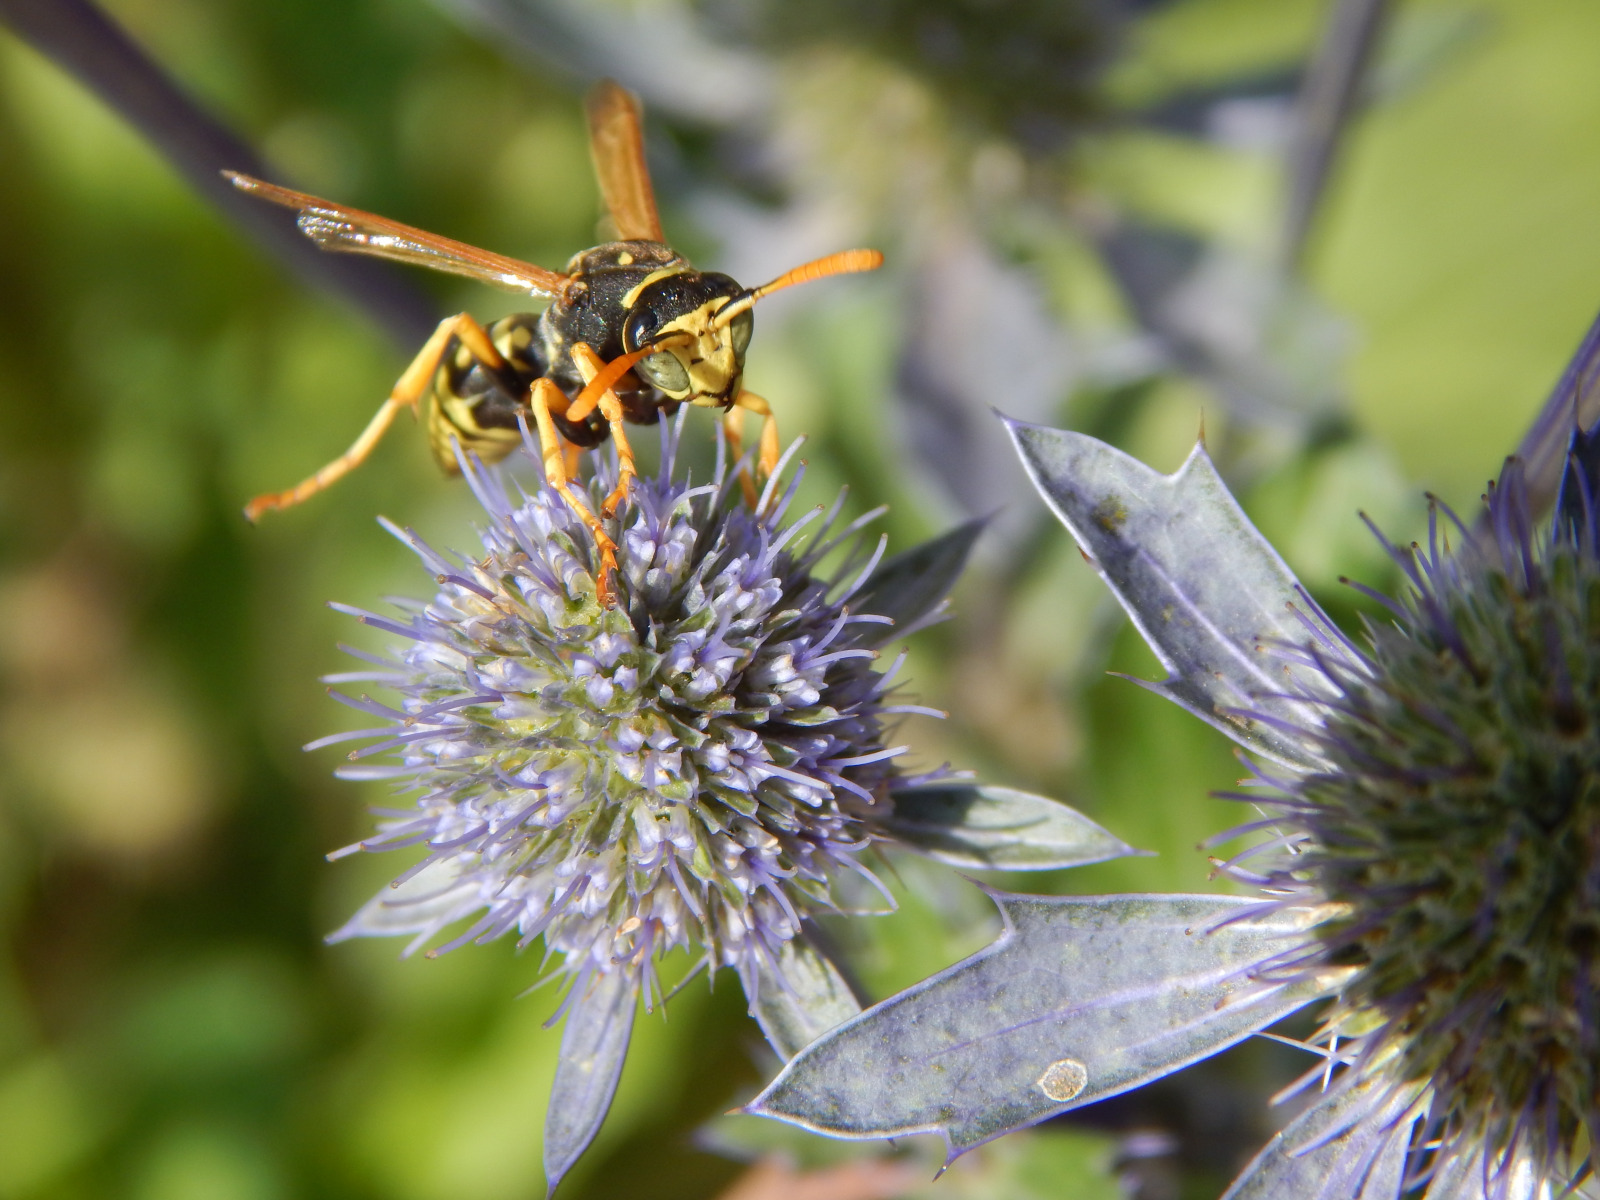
(589, 365)
(733, 432)
(552, 450)
(407, 392)
(767, 458)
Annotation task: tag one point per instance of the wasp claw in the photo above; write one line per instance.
(615, 499)
(605, 590)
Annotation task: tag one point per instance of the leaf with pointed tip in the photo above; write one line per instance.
(1576, 502)
(1202, 585)
(424, 904)
(801, 1000)
(593, 1047)
(1350, 1145)
(1080, 998)
(1462, 1177)
(997, 828)
(911, 587)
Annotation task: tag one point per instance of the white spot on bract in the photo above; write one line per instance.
(1064, 1079)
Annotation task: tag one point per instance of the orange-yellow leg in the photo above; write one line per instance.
(733, 432)
(767, 455)
(545, 398)
(408, 390)
(589, 365)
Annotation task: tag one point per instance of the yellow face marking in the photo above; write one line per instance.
(625, 259)
(653, 277)
(706, 353)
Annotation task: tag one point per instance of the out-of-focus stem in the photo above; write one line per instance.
(81, 40)
(1328, 97)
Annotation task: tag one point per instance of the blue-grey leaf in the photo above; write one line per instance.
(593, 1047)
(801, 1000)
(1462, 1177)
(911, 587)
(1350, 1145)
(997, 828)
(1202, 585)
(1580, 481)
(1080, 998)
(424, 904)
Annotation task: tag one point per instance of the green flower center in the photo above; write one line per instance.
(1459, 829)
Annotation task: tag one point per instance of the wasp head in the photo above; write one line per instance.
(701, 358)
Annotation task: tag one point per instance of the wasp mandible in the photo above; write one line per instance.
(632, 332)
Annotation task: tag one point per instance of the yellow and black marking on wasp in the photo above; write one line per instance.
(632, 332)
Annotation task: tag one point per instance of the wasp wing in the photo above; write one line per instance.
(616, 140)
(351, 231)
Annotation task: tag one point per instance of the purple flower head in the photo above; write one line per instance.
(691, 768)
(1430, 801)
(1451, 832)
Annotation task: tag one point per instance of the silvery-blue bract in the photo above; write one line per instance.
(1428, 857)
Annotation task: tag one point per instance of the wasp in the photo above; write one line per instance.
(632, 331)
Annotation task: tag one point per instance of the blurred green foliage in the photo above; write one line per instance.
(171, 1025)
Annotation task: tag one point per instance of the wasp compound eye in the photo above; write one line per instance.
(739, 331)
(664, 371)
(642, 322)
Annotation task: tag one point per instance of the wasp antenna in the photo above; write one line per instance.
(843, 262)
(608, 375)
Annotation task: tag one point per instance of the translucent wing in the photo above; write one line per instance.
(351, 231)
(616, 140)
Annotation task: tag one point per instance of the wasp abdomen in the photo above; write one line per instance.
(483, 407)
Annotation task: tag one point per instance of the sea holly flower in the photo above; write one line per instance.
(690, 768)
(1428, 860)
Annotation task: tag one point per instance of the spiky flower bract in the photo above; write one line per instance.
(1454, 834)
(1428, 856)
(685, 769)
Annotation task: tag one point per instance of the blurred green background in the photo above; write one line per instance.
(171, 1024)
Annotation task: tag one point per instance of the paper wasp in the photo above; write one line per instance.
(632, 332)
